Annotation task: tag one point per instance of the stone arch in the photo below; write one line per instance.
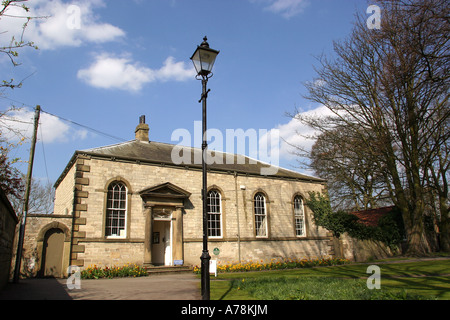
(54, 225)
(259, 190)
(118, 179)
(298, 194)
(58, 235)
(217, 188)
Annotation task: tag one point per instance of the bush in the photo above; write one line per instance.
(128, 270)
(390, 228)
(275, 264)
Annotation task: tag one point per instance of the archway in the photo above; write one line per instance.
(52, 253)
(42, 246)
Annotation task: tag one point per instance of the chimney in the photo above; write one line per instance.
(142, 130)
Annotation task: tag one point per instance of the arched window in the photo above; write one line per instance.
(214, 206)
(116, 210)
(299, 216)
(260, 215)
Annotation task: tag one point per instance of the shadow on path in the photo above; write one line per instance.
(181, 286)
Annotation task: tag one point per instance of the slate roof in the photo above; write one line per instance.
(161, 154)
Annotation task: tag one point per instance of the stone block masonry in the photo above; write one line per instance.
(91, 246)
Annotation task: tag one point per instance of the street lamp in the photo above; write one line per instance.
(203, 59)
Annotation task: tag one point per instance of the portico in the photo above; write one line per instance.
(164, 207)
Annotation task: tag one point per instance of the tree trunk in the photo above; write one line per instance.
(444, 226)
(417, 242)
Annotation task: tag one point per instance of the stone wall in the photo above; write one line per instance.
(35, 231)
(8, 223)
(363, 250)
(93, 175)
(64, 193)
(258, 250)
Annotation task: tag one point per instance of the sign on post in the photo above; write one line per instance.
(213, 267)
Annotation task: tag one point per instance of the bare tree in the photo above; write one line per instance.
(392, 86)
(355, 181)
(10, 179)
(437, 175)
(41, 198)
(11, 48)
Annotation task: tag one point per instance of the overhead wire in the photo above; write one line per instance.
(60, 118)
(85, 127)
(66, 120)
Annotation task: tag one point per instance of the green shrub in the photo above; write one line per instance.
(128, 270)
(390, 228)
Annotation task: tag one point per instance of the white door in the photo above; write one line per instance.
(168, 244)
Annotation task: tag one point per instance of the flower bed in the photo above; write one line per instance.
(275, 264)
(128, 270)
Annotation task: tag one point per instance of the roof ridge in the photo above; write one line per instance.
(137, 149)
(108, 146)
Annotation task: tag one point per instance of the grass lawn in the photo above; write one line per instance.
(406, 280)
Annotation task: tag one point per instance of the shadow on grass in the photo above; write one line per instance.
(430, 286)
(230, 287)
(429, 280)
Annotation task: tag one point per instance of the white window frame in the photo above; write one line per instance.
(217, 212)
(260, 212)
(121, 209)
(299, 217)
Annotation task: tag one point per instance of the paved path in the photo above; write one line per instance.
(181, 286)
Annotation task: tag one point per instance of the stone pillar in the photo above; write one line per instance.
(148, 236)
(79, 209)
(177, 220)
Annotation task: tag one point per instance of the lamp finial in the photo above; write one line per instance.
(205, 42)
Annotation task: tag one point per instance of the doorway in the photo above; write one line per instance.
(162, 243)
(52, 253)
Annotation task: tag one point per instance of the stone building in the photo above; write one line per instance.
(130, 203)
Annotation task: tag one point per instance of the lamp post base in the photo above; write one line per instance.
(205, 258)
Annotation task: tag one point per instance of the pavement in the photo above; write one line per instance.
(177, 286)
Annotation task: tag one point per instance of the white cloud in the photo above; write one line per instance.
(295, 133)
(66, 24)
(112, 72)
(19, 123)
(172, 70)
(287, 8)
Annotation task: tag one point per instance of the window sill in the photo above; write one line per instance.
(115, 238)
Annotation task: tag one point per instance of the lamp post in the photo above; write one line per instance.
(203, 59)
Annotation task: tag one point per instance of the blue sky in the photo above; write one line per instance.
(103, 63)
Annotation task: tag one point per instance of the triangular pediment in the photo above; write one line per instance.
(166, 190)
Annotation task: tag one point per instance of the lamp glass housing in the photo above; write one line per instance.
(203, 59)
